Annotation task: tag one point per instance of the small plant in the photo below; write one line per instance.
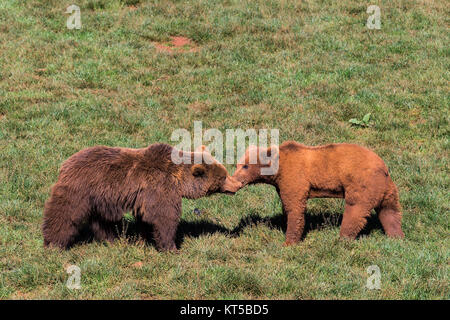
(128, 217)
(127, 220)
(365, 122)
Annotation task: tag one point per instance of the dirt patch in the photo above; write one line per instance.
(138, 264)
(177, 44)
(180, 41)
(199, 106)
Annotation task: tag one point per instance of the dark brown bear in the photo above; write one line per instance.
(96, 186)
(332, 171)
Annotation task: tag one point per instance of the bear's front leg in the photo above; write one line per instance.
(294, 206)
(164, 233)
(164, 214)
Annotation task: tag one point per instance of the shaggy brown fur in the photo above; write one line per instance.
(332, 171)
(96, 186)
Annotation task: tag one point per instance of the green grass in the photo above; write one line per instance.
(305, 67)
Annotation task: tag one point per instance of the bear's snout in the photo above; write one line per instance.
(242, 176)
(231, 185)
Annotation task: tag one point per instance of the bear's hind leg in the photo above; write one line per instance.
(63, 237)
(63, 216)
(354, 220)
(391, 220)
(390, 214)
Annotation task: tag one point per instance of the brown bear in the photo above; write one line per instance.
(97, 185)
(342, 170)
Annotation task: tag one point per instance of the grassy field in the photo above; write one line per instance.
(304, 67)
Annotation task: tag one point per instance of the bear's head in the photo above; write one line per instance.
(257, 165)
(207, 177)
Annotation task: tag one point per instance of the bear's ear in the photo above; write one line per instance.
(271, 152)
(269, 158)
(198, 170)
(202, 148)
(251, 154)
(252, 148)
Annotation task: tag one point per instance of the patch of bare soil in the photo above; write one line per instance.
(177, 44)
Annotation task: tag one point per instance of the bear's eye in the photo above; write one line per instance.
(245, 166)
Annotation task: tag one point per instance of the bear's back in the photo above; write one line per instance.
(98, 156)
(115, 164)
(332, 159)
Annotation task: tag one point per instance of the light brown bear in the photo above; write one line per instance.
(342, 170)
